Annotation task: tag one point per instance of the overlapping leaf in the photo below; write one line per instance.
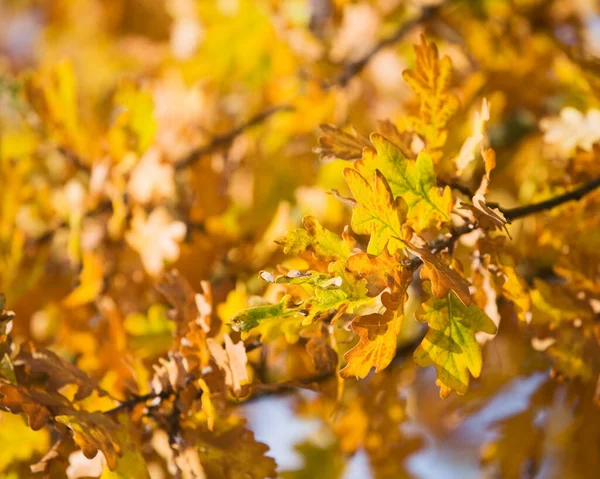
(377, 336)
(443, 279)
(450, 344)
(325, 244)
(336, 143)
(414, 181)
(376, 213)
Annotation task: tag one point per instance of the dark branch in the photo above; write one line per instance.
(465, 190)
(224, 140)
(526, 210)
(354, 68)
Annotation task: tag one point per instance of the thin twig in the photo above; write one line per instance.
(465, 190)
(224, 140)
(526, 210)
(354, 68)
(435, 246)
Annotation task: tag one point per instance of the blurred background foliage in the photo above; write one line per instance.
(139, 135)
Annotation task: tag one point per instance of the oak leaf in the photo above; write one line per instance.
(379, 272)
(376, 213)
(443, 279)
(430, 80)
(58, 372)
(325, 244)
(232, 360)
(450, 344)
(336, 143)
(377, 337)
(413, 180)
(230, 451)
(322, 354)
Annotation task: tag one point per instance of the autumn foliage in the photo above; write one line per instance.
(384, 215)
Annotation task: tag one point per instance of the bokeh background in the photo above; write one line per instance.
(135, 88)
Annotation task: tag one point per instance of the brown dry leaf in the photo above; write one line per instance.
(192, 315)
(58, 372)
(443, 279)
(169, 374)
(39, 406)
(401, 139)
(336, 143)
(230, 451)
(91, 431)
(182, 297)
(232, 360)
(486, 217)
(322, 354)
(94, 432)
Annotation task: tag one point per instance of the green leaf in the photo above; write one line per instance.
(450, 344)
(314, 278)
(376, 213)
(325, 244)
(415, 181)
(248, 319)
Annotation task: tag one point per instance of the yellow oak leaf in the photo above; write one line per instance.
(430, 80)
(413, 180)
(377, 337)
(325, 244)
(376, 213)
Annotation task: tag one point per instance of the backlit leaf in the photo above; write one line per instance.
(450, 345)
(376, 213)
(443, 279)
(377, 337)
(431, 80)
(413, 180)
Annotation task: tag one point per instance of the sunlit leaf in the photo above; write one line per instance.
(450, 343)
(414, 181)
(376, 213)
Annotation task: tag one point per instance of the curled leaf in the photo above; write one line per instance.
(443, 279)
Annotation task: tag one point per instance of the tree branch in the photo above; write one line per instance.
(224, 140)
(218, 142)
(526, 210)
(435, 246)
(353, 68)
